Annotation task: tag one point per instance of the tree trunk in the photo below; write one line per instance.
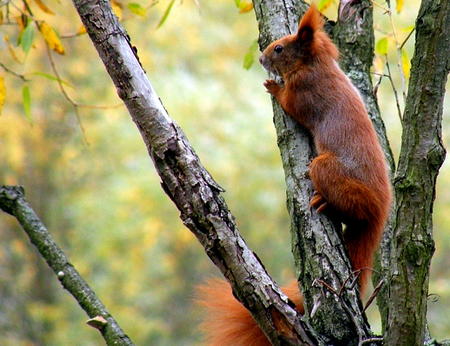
(422, 154)
(317, 244)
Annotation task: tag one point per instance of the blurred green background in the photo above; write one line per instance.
(101, 198)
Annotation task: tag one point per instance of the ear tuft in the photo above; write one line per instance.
(312, 21)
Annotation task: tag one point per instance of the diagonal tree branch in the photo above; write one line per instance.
(12, 201)
(189, 185)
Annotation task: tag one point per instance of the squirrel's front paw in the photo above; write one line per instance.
(272, 86)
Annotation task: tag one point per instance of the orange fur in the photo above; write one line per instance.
(349, 174)
(228, 322)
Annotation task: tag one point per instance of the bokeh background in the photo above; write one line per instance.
(96, 190)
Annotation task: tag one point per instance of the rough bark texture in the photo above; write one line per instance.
(317, 243)
(422, 154)
(189, 185)
(12, 201)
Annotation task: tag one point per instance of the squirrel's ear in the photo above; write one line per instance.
(311, 22)
(305, 35)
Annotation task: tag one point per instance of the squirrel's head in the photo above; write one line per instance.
(309, 44)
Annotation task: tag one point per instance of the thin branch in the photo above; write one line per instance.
(192, 189)
(338, 293)
(399, 54)
(63, 91)
(18, 75)
(397, 45)
(407, 37)
(397, 102)
(13, 202)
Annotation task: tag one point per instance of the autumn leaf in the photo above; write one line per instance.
(51, 38)
(324, 4)
(11, 49)
(406, 63)
(378, 65)
(243, 6)
(22, 21)
(27, 37)
(137, 9)
(399, 5)
(117, 8)
(246, 7)
(250, 55)
(382, 46)
(26, 101)
(82, 30)
(2, 93)
(43, 7)
(166, 14)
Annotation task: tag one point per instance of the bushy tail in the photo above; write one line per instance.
(227, 321)
(362, 242)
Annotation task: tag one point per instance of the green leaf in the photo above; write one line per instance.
(382, 46)
(52, 78)
(166, 14)
(26, 101)
(137, 9)
(27, 37)
(250, 55)
(243, 6)
(324, 4)
(406, 63)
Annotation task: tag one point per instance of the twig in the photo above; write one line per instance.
(399, 54)
(338, 293)
(375, 339)
(8, 70)
(397, 45)
(63, 91)
(395, 92)
(407, 37)
(374, 294)
(13, 202)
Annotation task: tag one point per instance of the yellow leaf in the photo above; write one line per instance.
(117, 8)
(246, 8)
(406, 63)
(2, 93)
(51, 38)
(82, 30)
(11, 49)
(43, 7)
(22, 21)
(399, 5)
(324, 4)
(378, 64)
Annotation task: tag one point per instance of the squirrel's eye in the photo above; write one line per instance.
(278, 49)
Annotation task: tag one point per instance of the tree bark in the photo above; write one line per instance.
(189, 185)
(422, 154)
(317, 243)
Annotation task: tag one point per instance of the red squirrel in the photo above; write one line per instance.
(349, 174)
